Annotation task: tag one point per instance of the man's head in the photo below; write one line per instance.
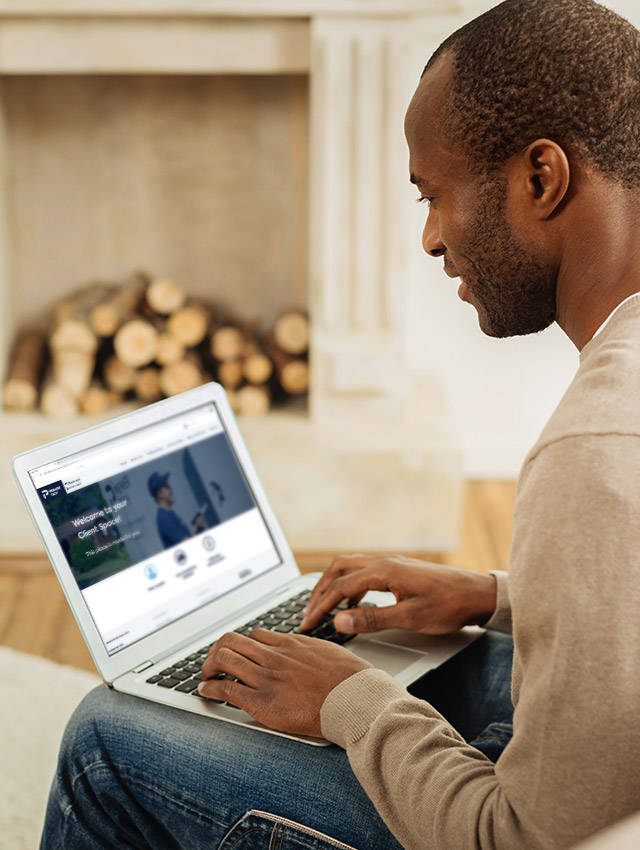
(160, 489)
(515, 115)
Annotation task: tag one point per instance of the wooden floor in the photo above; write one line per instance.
(35, 618)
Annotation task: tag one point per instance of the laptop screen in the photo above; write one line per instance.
(156, 523)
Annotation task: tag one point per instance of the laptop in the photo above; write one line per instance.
(163, 539)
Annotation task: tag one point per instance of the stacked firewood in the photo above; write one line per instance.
(145, 339)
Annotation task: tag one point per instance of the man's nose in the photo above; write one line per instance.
(431, 241)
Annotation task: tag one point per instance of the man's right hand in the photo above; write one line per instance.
(430, 598)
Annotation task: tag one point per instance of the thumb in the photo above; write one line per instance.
(367, 618)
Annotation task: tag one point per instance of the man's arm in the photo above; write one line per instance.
(571, 767)
(500, 620)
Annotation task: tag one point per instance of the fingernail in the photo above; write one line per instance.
(201, 687)
(345, 623)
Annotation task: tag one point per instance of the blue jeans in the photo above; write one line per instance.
(133, 773)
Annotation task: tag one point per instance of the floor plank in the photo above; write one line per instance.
(35, 617)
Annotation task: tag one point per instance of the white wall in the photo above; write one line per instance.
(497, 394)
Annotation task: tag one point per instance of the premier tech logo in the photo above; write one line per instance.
(51, 491)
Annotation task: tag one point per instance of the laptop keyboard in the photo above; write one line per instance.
(185, 675)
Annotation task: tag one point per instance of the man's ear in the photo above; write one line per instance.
(546, 174)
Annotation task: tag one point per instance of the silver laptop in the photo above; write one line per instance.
(162, 538)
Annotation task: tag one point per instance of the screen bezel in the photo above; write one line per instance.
(169, 637)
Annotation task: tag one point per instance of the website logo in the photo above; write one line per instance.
(151, 571)
(50, 491)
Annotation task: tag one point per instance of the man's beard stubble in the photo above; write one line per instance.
(514, 292)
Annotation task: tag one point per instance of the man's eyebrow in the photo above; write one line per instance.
(417, 181)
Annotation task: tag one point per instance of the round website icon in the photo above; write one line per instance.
(150, 571)
(209, 543)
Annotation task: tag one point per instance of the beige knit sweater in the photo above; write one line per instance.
(573, 595)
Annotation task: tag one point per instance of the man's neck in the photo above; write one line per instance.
(600, 269)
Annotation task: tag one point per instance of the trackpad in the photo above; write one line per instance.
(393, 659)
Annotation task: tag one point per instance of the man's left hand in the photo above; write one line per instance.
(284, 678)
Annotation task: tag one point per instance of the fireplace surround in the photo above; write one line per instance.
(371, 464)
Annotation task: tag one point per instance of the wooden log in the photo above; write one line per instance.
(73, 334)
(79, 302)
(230, 374)
(257, 367)
(189, 325)
(165, 296)
(71, 328)
(227, 343)
(232, 396)
(135, 343)
(252, 400)
(292, 372)
(147, 384)
(97, 399)
(169, 350)
(25, 369)
(291, 332)
(118, 376)
(56, 400)
(72, 370)
(117, 306)
(182, 376)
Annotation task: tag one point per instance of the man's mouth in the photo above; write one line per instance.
(450, 271)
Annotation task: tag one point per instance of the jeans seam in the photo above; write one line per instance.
(239, 838)
(151, 789)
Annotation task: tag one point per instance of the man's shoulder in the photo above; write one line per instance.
(602, 399)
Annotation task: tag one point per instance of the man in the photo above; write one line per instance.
(171, 529)
(524, 137)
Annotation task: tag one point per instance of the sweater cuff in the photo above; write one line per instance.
(500, 620)
(352, 706)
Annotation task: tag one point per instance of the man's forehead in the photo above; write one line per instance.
(432, 154)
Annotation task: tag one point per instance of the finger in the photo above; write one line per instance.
(354, 584)
(370, 618)
(227, 660)
(226, 690)
(245, 646)
(338, 566)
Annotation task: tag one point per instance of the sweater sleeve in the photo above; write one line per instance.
(572, 766)
(500, 620)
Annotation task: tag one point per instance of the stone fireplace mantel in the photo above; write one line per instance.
(372, 451)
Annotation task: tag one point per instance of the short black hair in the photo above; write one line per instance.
(568, 70)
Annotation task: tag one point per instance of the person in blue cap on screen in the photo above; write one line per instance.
(171, 528)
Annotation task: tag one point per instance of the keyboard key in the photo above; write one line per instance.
(193, 657)
(167, 672)
(181, 675)
(154, 679)
(192, 668)
(282, 627)
(187, 687)
(168, 683)
(273, 620)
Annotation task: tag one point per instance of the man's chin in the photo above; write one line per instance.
(504, 330)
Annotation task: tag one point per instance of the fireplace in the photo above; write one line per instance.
(257, 158)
